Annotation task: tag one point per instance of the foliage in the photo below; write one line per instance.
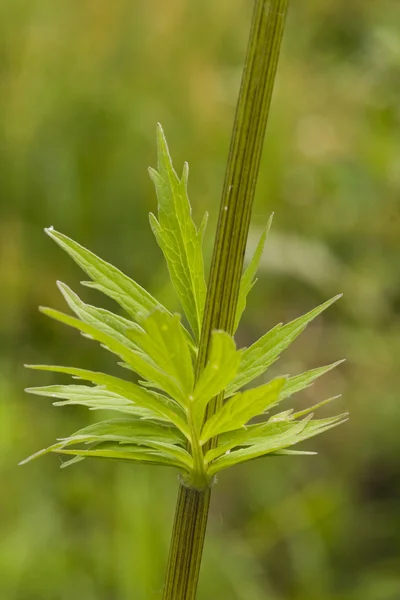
(165, 422)
(82, 88)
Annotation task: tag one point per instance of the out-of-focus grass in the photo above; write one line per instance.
(81, 87)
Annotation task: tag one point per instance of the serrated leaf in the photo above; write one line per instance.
(94, 398)
(103, 320)
(112, 450)
(222, 364)
(128, 453)
(248, 278)
(242, 407)
(157, 403)
(305, 380)
(162, 339)
(254, 435)
(245, 437)
(177, 235)
(132, 431)
(138, 362)
(270, 444)
(108, 279)
(267, 349)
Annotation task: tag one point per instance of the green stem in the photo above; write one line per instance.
(227, 264)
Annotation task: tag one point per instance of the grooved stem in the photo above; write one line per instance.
(227, 265)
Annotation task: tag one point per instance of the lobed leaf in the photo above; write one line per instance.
(137, 361)
(246, 436)
(177, 235)
(125, 452)
(264, 352)
(157, 403)
(222, 364)
(128, 453)
(275, 426)
(108, 279)
(256, 450)
(94, 398)
(262, 433)
(133, 430)
(162, 339)
(257, 433)
(305, 380)
(242, 407)
(103, 320)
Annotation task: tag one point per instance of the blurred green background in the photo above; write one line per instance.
(82, 84)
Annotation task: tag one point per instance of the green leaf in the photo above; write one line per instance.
(313, 408)
(242, 407)
(163, 340)
(256, 434)
(126, 452)
(108, 279)
(137, 361)
(177, 235)
(246, 436)
(94, 398)
(145, 433)
(157, 403)
(248, 278)
(270, 444)
(305, 380)
(293, 453)
(222, 365)
(103, 320)
(267, 349)
(132, 431)
(262, 433)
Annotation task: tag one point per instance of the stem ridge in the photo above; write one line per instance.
(227, 264)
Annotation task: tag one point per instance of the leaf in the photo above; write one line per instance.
(258, 434)
(247, 282)
(313, 408)
(128, 453)
(132, 431)
(246, 436)
(145, 433)
(111, 450)
(305, 380)
(157, 403)
(222, 364)
(101, 319)
(270, 444)
(162, 339)
(94, 398)
(242, 407)
(108, 279)
(293, 453)
(177, 235)
(137, 361)
(267, 349)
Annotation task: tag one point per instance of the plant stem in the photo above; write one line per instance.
(227, 264)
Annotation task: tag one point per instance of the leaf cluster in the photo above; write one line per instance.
(161, 418)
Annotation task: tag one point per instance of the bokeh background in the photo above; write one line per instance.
(82, 84)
